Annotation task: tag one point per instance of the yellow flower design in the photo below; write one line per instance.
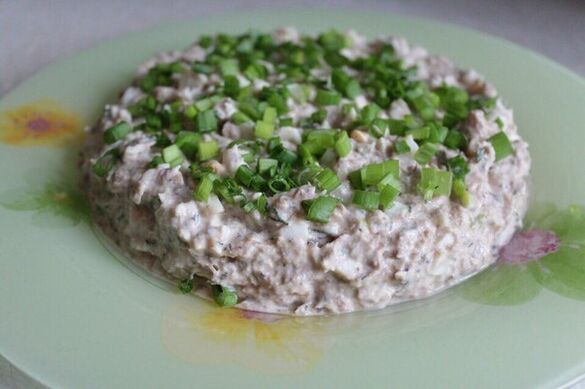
(40, 123)
(201, 333)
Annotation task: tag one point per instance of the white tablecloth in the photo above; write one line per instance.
(35, 33)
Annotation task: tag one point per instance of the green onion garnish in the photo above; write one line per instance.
(263, 129)
(372, 174)
(207, 150)
(285, 122)
(425, 153)
(249, 179)
(342, 144)
(284, 155)
(223, 296)
(502, 145)
(186, 286)
(366, 200)
(369, 113)
(419, 133)
(188, 142)
(157, 160)
(191, 111)
(327, 97)
(279, 184)
(117, 132)
(460, 193)
(500, 123)
(434, 183)
(320, 208)
(401, 147)
(267, 166)
(455, 140)
(327, 180)
(206, 121)
(458, 165)
(228, 67)
(378, 127)
(204, 188)
(173, 155)
(387, 195)
(231, 86)
(240, 118)
(105, 163)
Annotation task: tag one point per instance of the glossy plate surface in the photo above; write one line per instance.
(72, 315)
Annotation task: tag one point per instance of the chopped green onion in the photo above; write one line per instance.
(263, 130)
(372, 174)
(223, 296)
(455, 140)
(270, 115)
(332, 40)
(369, 113)
(501, 145)
(255, 71)
(203, 104)
(279, 184)
(262, 204)
(378, 127)
(202, 68)
(228, 67)
(326, 180)
(247, 206)
(207, 150)
(343, 145)
(425, 153)
(460, 193)
(355, 179)
(117, 132)
(284, 155)
(285, 122)
(173, 155)
(387, 195)
(191, 111)
(157, 160)
(500, 123)
(401, 147)
(207, 121)
(231, 86)
(345, 84)
(240, 118)
(458, 166)
(249, 179)
(188, 142)
(186, 286)
(366, 200)
(438, 134)
(397, 127)
(227, 189)
(389, 180)
(434, 183)
(320, 208)
(306, 155)
(419, 133)
(105, 163)
(204, 188)
(267, 165)
(327, 97)
(322, 138)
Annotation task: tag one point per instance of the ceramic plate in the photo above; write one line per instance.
(74, 314)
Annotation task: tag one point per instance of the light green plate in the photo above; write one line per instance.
(72, 315)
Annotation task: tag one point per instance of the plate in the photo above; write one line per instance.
(74, 315)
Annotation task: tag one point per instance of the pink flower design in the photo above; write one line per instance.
(529, 245)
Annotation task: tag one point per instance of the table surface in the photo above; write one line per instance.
(36, 33)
